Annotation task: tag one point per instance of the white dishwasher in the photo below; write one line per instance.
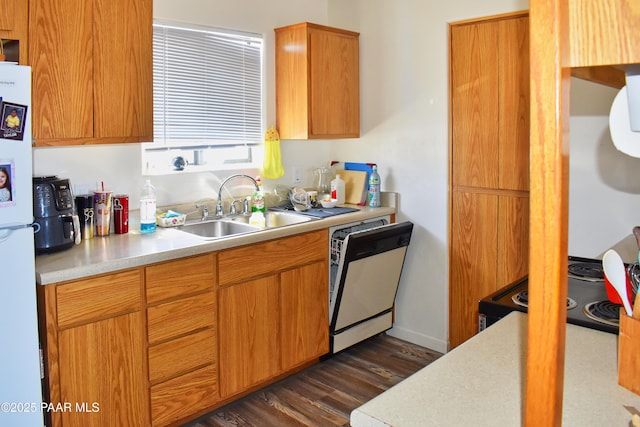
(366, 260)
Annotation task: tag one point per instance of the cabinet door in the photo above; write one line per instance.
(490, 104)
(474, 250)
(514, 100)
(103, 363)
(292, 98)
(334, 82)
(61, 57)
(14, 28)
(123, 69)
(304, 314)
(474, 104)
(513, 239)
(92, 71)
(490, 249)
(248, 334)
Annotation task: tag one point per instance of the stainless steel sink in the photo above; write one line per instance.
(239, 224)
(276, 219)
(218, 228)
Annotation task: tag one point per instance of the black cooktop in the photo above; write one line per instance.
(584, 288)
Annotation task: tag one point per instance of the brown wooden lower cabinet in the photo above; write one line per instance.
(95, 351)
(161, 344)
(248, 330)
(304, 324)
(101, 363)
(489, 250)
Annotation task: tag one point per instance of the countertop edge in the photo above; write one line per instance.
(101, 255)
(481, 383)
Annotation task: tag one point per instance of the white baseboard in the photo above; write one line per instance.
(418, 338)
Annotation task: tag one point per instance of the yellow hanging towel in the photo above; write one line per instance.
(272, 157)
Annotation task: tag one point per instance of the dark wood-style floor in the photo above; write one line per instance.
(326, 393)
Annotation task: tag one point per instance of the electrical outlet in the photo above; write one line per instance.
(297, 179)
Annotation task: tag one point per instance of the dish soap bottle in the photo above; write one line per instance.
(337, 189)
(374, 188)
(258, 207)
(257, 201)
(148, 208)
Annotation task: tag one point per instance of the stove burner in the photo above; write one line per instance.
(591, 271)
(604, 312)
(522, 299)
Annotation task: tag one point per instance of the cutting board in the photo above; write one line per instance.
(355, 186)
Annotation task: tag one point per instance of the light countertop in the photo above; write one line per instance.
(120, 251)
(481, 383)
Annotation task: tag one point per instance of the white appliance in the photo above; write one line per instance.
(366, 261)
(20, 378)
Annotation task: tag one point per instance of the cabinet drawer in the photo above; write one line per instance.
(180, 397)
(98, 297)
(181, 277)
(181, 317)
(276, 255)
(181, 355)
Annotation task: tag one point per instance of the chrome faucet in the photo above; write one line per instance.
(219, 210)
(205, 211)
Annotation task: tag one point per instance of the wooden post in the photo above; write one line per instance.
(548, 212)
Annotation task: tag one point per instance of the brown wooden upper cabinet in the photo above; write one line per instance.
(92, 71)
(14, 29)
(490, 103)
(317, 82)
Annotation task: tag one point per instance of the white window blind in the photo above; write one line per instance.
(207, 86)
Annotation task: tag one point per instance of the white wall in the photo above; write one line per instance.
(405, 113)
(604, 183)
(404, 110)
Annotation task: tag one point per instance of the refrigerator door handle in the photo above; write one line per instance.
(6, 231)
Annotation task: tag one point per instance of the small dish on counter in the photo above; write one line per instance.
(328, 203)
(170, 219)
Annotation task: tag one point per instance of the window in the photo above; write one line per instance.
(207, 96)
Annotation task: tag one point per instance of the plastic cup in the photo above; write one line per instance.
(102, 211)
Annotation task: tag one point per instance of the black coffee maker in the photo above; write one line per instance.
(53, 212)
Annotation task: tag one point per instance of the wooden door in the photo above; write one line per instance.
(513, 239)
(248, 321)
(123, 69)
(61, 57)
(474, 105)
(474, 251)
(334, 79)
(14, 29)
(102, 368)
(292, 97)
(513, 103)
(304, 314)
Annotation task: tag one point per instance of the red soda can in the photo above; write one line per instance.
(121, 213)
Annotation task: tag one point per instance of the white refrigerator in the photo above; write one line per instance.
(20, 379)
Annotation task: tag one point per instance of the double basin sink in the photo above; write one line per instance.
(239, 224)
